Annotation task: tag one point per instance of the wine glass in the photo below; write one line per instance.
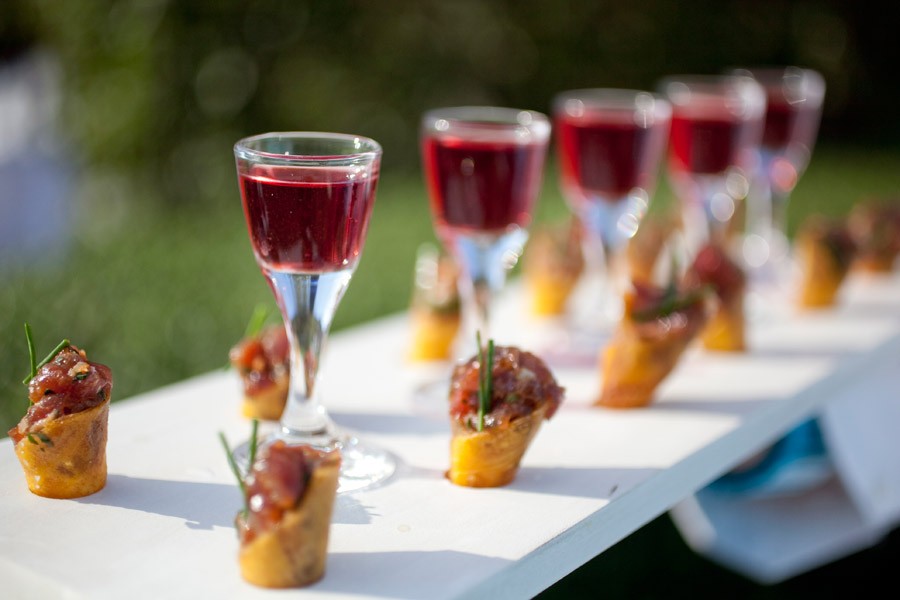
(609, 143)
(794, 98)
(717, 123)
(307, 199)
(483, 166)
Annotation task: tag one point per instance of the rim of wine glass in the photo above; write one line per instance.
(770, 76)
(714, 84)
(362, 149)
(479, 118)
(623, 99)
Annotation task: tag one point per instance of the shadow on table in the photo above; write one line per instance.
(392, 423)
(580, 482)
(202, 505)
(397, 574)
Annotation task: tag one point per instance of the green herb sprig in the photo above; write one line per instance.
(229, 454)
(257, 320)
(485, 379)
(39, 438)
(254, 325)
(35, 365)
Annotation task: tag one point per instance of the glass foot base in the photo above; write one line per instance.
(363, 465)
(574, 346)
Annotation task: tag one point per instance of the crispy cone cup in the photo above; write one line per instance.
(490, 458)
(725, 330)
(268, 403)
(633, 366)
(874, 263)
(821, 275)
(433, 335)
(550, 293)
(73, 463)
(293, 553)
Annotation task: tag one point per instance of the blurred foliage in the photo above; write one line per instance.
(157, 91)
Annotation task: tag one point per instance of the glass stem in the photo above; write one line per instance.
(486, 260)
(779, 213)
(308, 303)
(603, 263)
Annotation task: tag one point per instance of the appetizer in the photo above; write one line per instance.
(712, 267)
(875, 227)
(645, 249)
(61, 440)
(495, 413)
(657, 326)
(825, 251)
(435, 307)
(289, 494)
(552, 267)
(262, 359)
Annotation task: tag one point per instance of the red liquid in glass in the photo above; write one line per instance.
(704, 143)
(307, 221)
(788, 124)
(482, 185)
(604, 154)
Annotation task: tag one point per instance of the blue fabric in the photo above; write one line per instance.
(796, 462)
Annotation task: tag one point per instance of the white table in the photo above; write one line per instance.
(162, 527)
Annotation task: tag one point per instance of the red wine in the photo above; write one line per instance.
(705, 142)
(788, 124)
(606, 154)
(307, 221)
(483, 186)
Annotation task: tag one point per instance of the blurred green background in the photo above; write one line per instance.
(120, 223)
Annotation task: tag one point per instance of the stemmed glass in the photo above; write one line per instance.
(483, 166)
(716, 127)
(307, 200)
(794, 99)
(609, 145)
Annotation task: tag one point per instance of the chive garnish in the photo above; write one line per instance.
(48, 358)
(234, 468)
(241, 477)
(32, 359)
(254, 325)
(485, 379)
(253, 432)
(39, 438)
(257, 320)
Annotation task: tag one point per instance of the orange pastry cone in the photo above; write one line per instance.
(495, 419)
(491, 458)
(66, 457)
(656, 329)
(263, 362)
(553, 263)
(725, 329)
(61, 440)
(433, 334)
(875, 228)
(825, 253)
(267, 403)
(644, 249)
(291, 546)
(435, 309)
